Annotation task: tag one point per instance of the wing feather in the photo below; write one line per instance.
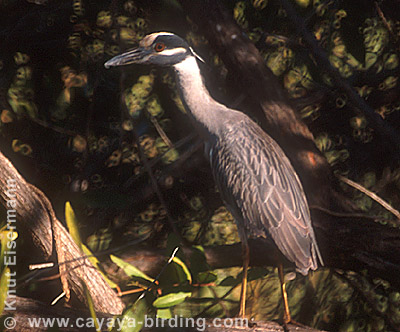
(261, 188)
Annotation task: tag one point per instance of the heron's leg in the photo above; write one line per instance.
(286, 315)
(246, 260)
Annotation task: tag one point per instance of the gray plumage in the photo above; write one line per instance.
(260, 187)
(255, 178)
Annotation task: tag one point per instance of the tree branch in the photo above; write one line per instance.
(27, 310)
(36, 220)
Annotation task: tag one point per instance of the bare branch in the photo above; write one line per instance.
(37, 220)
(372, 195)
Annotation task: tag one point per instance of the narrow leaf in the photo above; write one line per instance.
(164, 313)
(129, 269)
(91, 306)
(6, 237)
(134, 318)
(4, 287)
(184, 268)
(171, 300)
(72, 224)
(206, 277)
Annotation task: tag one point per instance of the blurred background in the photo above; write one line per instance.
(99, 138)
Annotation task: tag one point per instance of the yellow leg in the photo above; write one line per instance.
(286, 315)
(246, 259)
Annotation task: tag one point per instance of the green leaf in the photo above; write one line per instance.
(370, 59)
(91, 306)
(184, 269)
(72, 224)
(164, 313)
(5, 275)
(171, 300)
(133, 319)
(173, 241)
(206, 277)
(6, 236)
(129, 269)
(230, 281)
(198, 261)
(100, 241)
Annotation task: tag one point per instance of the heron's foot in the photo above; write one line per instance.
(241, 314)
(286, 318)
(290, 321)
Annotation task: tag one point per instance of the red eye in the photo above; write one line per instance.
(159, 47)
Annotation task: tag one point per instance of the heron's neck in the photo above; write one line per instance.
(197, 100)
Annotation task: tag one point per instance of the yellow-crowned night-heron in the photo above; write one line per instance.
(255, 178)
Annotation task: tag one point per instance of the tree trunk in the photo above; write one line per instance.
(36, 220)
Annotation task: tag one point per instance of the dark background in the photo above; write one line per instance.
(85, 134)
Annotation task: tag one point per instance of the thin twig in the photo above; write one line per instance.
(59, 297)
(161, 132)
(145, 162)
(220, 302)
(370, 194)
(155, 185)
(54, 127)
(387, 25)
(384, 20)
(344, 214)
(155, 280)
(34, 274)
(41, 266)
(129, 292)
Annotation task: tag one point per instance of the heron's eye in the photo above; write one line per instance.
(159, 47)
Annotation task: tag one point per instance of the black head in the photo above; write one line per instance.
(160, 48)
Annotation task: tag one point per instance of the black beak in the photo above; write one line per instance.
(136, 55)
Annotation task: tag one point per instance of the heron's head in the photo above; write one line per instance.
(160, 48)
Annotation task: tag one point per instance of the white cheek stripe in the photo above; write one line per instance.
(174, 51)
